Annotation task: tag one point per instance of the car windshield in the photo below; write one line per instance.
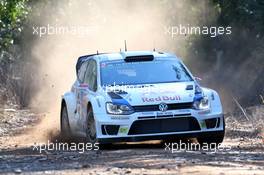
(144, 72)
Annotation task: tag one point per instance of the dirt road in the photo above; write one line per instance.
(18, 156)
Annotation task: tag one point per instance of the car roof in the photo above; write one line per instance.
(123, 55)
(100, 57)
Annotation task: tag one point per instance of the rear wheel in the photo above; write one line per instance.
(65, 126)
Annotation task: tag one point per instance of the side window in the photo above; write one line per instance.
(81, 72)
(91, 75)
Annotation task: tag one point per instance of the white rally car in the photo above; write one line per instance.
(137, 96)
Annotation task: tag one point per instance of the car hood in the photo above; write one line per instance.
(180, 92)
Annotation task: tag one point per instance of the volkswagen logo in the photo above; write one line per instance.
(163, 107)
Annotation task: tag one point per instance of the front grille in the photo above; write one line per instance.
(153, 126)
(164, 116)
(173, 106)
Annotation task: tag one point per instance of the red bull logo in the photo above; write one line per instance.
(161, 98)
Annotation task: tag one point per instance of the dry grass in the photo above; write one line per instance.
(240, 126)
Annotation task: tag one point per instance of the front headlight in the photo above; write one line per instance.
(202, 104)
(118, 109)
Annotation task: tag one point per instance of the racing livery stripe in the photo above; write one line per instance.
(117, 99)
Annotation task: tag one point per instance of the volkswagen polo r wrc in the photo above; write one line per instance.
(139, 96)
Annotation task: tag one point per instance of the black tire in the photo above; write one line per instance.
(214, 138)
(65, 126)
(176, 140)
(106, 146)
(91, 128)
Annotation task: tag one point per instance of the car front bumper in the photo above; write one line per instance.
(157, 125)
(161, 137)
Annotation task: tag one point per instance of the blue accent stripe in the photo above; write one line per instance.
(120, 101)
(198, 97)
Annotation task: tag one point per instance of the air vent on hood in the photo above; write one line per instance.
(189, 87)
(139, 58)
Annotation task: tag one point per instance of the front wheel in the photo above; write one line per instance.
(214, 138)
(91, 129)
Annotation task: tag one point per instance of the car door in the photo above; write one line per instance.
(90, 80)
(80, 87)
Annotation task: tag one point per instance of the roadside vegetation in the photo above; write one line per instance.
(235, 61)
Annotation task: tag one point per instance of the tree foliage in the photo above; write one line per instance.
(12, 15)
(232, 53)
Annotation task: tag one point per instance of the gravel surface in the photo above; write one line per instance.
(14, 121)
(19, 156)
